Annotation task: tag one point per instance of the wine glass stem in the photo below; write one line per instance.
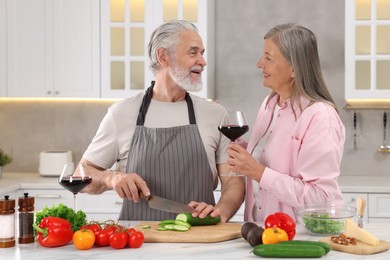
(74, 202)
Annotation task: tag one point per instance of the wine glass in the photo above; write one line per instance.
(236, 127)
(74, 177)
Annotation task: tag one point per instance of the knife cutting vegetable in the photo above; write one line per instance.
(163, 204)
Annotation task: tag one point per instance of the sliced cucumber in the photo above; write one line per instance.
(145, 227)
(175, 227)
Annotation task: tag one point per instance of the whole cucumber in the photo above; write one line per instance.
(326, 246)
(289, 251)
(196, 221)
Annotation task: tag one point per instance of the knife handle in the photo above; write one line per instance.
(360, 205)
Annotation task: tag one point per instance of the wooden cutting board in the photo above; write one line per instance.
(196, 234)
(360, 248)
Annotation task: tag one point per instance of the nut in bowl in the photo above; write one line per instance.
(324, 219)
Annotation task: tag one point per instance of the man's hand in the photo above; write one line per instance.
(203, 209)
(129, 185)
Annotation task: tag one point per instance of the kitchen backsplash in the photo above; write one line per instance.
(27, 128)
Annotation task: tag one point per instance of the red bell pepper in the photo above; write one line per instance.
(283, 221)
(54, 232)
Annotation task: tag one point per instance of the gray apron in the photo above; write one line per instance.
(172, 161)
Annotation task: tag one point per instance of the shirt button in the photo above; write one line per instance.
(278, 115)
(270, 132)
(259, 208)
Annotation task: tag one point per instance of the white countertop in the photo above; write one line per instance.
(360, 184)
(232, 249)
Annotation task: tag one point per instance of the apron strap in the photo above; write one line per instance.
(148, 98)
(191, 112)
(145, 105)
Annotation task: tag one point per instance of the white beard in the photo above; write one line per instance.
(182, 78)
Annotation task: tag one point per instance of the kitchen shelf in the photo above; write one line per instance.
(367, 104)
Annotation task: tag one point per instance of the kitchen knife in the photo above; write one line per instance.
(163, 204)
(360, 205)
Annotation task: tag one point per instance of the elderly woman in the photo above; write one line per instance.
(294, 153)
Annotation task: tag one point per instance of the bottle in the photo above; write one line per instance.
(7, 222)
(26, 219)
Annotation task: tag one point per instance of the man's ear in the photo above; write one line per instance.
(162, 57)
(292, 72)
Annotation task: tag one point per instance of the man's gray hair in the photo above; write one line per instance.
(166, 36)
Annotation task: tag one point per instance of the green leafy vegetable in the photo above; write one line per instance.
(77, 219)
(321, 224)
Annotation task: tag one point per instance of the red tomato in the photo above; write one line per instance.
(130, 231)
(136, 239)
(103, 236)
(93, 226)
(119, 239)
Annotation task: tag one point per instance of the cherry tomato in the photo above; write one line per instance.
(130, 231)
(103, 236)
(92, 226)
(84, 239)
(136, 239)
(119, 239)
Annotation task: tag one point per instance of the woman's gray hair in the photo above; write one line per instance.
(166, 36)
(298, 45)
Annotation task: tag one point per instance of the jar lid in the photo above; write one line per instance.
(7, 206)
(26, 203)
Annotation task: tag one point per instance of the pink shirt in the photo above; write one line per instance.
(302, 158)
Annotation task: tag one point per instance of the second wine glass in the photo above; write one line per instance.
(233, 130)
(75, 177)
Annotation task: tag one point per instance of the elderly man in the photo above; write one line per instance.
(165, 139)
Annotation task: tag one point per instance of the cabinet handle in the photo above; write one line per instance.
(48, 92)
(56, 92)
(117, 202)
(49, 196)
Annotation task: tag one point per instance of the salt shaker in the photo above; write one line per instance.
(7, 222)
(26, 219)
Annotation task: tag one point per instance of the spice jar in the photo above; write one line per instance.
(26, 219)
(7, 222)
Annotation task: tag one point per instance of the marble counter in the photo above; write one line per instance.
(232, 249)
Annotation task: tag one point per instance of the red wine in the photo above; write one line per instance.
(233, 131)
(75, 184)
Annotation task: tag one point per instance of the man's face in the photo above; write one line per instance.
(188, 62)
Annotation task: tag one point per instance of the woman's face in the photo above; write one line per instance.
(278, 73)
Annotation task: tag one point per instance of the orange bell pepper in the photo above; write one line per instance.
(274, 235)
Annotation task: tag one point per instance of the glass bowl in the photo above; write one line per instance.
(324, 219)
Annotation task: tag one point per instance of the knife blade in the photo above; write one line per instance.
(167, 205)
(360, 205)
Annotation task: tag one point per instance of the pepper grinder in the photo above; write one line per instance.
(7, 222)
(26, 219)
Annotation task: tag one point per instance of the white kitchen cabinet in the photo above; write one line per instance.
(379, 207)
(126, 27)
(367, 50)
(52, 48)
(100, 207)
(49, 197)
(3, 50)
